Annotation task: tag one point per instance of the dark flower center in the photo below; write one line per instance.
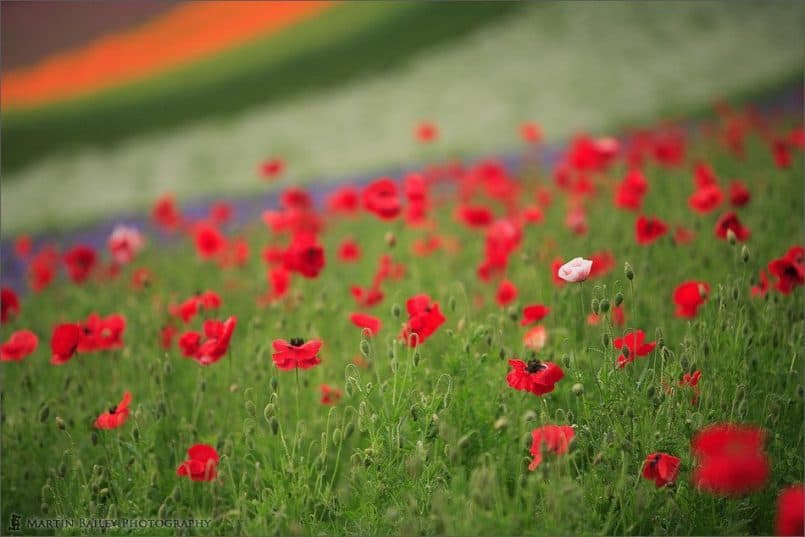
(112, 410)
(534, 366)
(790, 271)
(297, 341)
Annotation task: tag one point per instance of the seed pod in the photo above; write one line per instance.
(390, 239)
(167, 368)
(605, 339)
(618, 299)
(416, 358)
(628, 271)
(745, 254)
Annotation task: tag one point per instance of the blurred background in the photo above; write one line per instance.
(107, 105)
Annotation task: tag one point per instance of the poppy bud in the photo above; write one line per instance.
(604, 305)
(628, 271)
(577, 389)
(390, 239)
(167, 368)
(526, 440)
(44, 412)
(501, 423)
(605, 339)
(251, 410)
(349, 429)
(94, 438)
(395, 311)
(464, 441)
(594, 306)
(566, 360)
(618, 299)
(275, 425)
(364, 348)
(62, 469)
(60, 423)
(451, 303)
(731, 238)
(274, 383)
(651, 391)
(202, 386)
(336, 436)
(529, 415)
(735, 294)
(416, 358)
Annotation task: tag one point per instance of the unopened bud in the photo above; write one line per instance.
(604, 305)
(594, 306)
(44, 412)
(628, 271)
(365, 348)
(60, 423)
(745, 253)
(451, 303)
(577, 389)
(501, 423)
(251, 410)
(274, 383)
(390, 239)
(275, 424)
(731, 238)
(395, 311)
(618, 299)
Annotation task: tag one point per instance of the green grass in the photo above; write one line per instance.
(423, 456)
(341, 44)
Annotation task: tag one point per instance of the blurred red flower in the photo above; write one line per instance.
(80, 261)
(115, 416)
(329, 395)
(729, 221)
(661, 468)
(64, 342)
(202, 463)
(688, 296)
(9, 304)
(730, 459)
(534, 313)
(424, 318)
(632, 345)
(535, 376)
(648, 230)
(790, 518)
(552, 438)
(365, 321)
(296, 353)
(19, 345)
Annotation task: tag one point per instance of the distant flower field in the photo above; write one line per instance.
(611, 344)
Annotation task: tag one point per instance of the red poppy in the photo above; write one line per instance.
(535, 376)
(534, 314)
(21, 344)
(730, 221)
(553, 438)
(141, 278)
(662, 468)
(189, 343)
(532, 215)
(730, 459)
(789, 270)
(535, 338)
(683, 236)
(556, 264)
(186, 310)
(381, 198)
(762, 287)
(9, 304)
(648, 230)
(295, 198)
(64, 342)
(688, 296)
(576, 220)
(703, 175)
(603, 262)
(115, 416)
(42, 269)
(705, 199)
(80, 261)
(304, 255)
(272, 168)
(166, 336)
(616, 314)
(368, 322)
(506, 294)
(692, 380)
(209, 241)
(633, 345)
(98, 333)
(424, 318)
(202, 463)
(280, 281)
(296, 353)
(344, 200)
(739, 194)
(781, 152)
(349, 251)
(531, 133)
(217, 335)
(790, 518)
(329, 395)
(426, 132)
(629, 193)
(474, 216)
(166, 214)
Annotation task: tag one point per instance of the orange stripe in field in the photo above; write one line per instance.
(186, 33)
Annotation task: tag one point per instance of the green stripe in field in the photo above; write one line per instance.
(340, 44)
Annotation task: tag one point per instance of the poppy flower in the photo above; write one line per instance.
(329, 395)
(705, 199)
(209, 241)
(189, 343)
(531, 133)
(692, 380)
(271, 168)
(368, 322)
(781, 153)
(202, 463)
(683, 236)
(648, 230)
(532, 215)
(21, 344)
(166, 214)
(115, 416)
(166, 336)
(42, 269)
(790, 518)
(474, 216)
(534, 314)
(729, 221)
(426, 132)
(730, 459)
(381, 199)
(551, 438)
(296, 353)
(789, 270)
(703, 175)
(739, 194)
(535, 376)
(345, 200)
(688, 296)
(80, 261)
(64, 342)
(762, 287)
(603, 262)
(629, 193)
(304, 255)
(633, 345)
(506, 294)
(575, 270)
(217, 335)
(141, 278)
(616, 314)
(556, 264)
(349, 251)
(186, 310)
(280, 280)
(535, 338)
(99, 333)
(576, 220)
(424, 318)
(661, 468)
(23, 246)
(368, 297)
(9, 304)
(124, 244)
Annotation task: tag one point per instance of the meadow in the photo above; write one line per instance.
(485, 390)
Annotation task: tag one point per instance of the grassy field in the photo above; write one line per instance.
(432, 440)
(349, 105)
